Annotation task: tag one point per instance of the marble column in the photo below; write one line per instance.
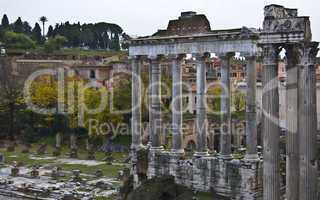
(136, 64)
(292, 145)
(155, 102)
(251, 114)
(307, 122)
(201, 123)
(225, 133)
(271, 130)
(177, 134)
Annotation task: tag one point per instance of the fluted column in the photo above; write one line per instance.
(155, 102)
(201, 124)
(225, 138)
(307, 124)
(292, 145)
(177, 133)
(136, 64)
(251, 114)
(271, 131)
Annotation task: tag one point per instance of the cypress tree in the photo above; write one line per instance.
(36, 34)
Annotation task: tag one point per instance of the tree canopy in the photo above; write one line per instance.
(100, 35)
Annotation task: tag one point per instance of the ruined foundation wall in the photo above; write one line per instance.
(236, 179)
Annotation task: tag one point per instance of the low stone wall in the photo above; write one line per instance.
(235, 179)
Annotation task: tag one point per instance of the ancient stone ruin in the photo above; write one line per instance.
(253, 177)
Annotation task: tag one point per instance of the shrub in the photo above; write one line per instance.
(54, 44)
(18, 41)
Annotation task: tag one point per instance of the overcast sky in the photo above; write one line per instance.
(144, 17)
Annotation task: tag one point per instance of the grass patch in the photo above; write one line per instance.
(108, 170)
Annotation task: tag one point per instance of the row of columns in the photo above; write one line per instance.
(301, 165)
(301, 111)
(202, 62)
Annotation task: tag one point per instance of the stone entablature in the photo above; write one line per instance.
(220, 42)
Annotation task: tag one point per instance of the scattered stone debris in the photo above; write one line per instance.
(38, 186)
(98, 173)
(34, 172)
(42, 149)
(76, 176)
(15, 170)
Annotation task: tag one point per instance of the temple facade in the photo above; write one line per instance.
(256, 176)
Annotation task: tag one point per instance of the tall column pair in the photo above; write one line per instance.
(301, 122)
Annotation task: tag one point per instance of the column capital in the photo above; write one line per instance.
(309, 53)
(270, 54)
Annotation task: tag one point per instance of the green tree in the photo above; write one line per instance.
(27, 29)
(55, 43)
(36, 33)
(10, 98)
(5, 22)
(239, 101)
(214, 102)
(43, 20)
(50, 32)
(18, 41)
(18, 26)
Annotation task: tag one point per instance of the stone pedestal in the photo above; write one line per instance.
(76, 176)
(34, 172)
(15, 171)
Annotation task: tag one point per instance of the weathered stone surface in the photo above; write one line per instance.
(236, 179)
(42, 149)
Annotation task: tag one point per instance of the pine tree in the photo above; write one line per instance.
(50, 32)
(18, 26)
(27, 29)
(5, 22)
(36, 34)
